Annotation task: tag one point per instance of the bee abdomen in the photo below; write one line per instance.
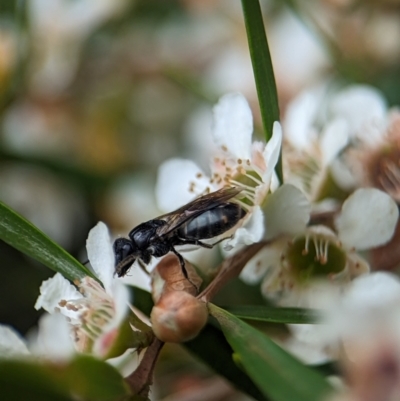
(212, 223)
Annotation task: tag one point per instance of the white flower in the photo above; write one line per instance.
(291, 264)
(51, 340)
(12, 345)
(61, 26)
(236, 161)
(319, 126)
(94, 313)
(373, 158)
(365, 317)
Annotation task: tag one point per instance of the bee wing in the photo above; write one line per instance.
(192, 209)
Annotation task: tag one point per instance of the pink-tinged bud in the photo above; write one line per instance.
(168, 276)
(178, 317)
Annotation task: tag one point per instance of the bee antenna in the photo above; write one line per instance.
(85, 262)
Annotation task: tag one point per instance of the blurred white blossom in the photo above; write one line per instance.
(319, 124)
(93, 313)
(59, 28)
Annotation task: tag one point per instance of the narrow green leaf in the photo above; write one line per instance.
(27, 381)
(212, 348)
(24, 236)
(84, 378)
(93, 379)
(274, 315)
(262, 68)
(276, 373)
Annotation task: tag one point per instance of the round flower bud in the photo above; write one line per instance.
(178, 317)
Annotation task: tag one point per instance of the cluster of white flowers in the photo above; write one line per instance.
(336, 208)
(339, 199)
(303, 247)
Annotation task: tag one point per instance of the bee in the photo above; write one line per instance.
(206, 217)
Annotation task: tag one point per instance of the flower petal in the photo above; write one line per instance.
(333, 139)
(272, 151)
(299, 119)
(378, 289)
(368, 219)
(12, 345)
(53, 339)
(359, 104)
(101, 254)
(233, 125)
(121, 297)
(179, 181)
(287, 211)
(138, 278)
(266, 260)
(343, 175)
(53, 290)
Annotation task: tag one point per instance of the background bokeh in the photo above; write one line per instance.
(95, 94)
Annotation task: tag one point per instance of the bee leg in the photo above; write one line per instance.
(190, 241)
(143, 266)
(222, 239)
(183, 267)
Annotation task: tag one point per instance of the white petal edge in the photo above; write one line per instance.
(299, 119)
(343, 175)
(287, 211)
(53, 339)
(378, 289)
(101, 254)
(333, 139)
(121, 297)
(233, 125)
(179, 181)
(368, 219)
(272, 151)
(52, 291)
(359, 104)
(267, 259)
(12, 345)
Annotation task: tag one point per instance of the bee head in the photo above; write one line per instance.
(124, 255)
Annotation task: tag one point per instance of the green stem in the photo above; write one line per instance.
(263, 70)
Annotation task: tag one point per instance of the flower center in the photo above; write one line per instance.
(96, 309)
(315, 255)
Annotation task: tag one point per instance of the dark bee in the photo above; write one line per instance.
(204, 218)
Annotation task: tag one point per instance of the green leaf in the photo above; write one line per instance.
(263, 70)
(94, 379)
(84, 378)
(24, 236)
(276, 373)
(212, 348)
(274, 315)
(27, 381)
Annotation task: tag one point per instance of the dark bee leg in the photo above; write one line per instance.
(220, 240)
(183, 267)
(143, 266)
(193, 241)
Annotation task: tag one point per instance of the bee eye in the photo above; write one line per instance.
(126, 250)
(122, 249)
